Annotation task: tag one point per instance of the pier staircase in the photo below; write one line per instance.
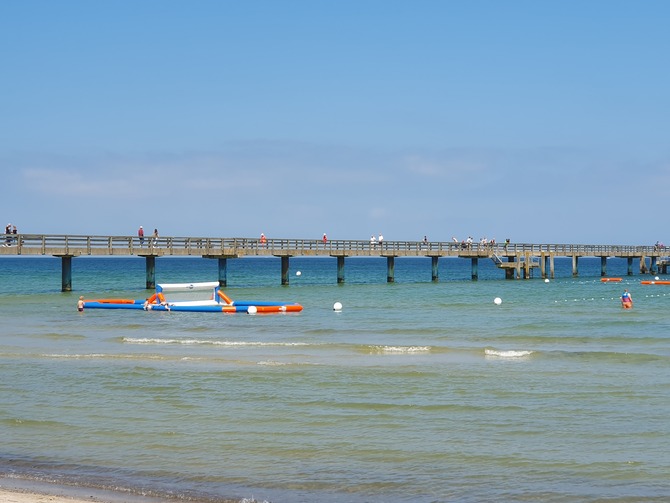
(523, 265)
(496, 259)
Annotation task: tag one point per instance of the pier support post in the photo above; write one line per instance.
(575, 266)
(223, 272)
(284, 269)
(150, 271)
(509, 271)
(390, 269)
(340, 269)
(630, 266)
(66, 273)
(543, 265)
(435, 273)
(475, 268)
(603, 266)
(551, 265)
(528, 266)
(652, 268)
(643, 265)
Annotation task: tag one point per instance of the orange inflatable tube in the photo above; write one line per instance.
(279, 309)
(655, 282)
(610, 280)
(115, 301)
(225, 298)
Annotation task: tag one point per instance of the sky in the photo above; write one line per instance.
(541, 122)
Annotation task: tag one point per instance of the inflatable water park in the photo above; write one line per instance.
(216, 302)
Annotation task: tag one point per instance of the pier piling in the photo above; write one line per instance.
(340, 268)
(284, 269)
(66, 273)
(223, 272)
(150, 271)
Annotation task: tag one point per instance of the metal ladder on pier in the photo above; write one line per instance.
(496, 259)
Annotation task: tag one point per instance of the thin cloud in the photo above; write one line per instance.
(75, 184)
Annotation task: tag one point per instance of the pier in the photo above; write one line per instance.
(516, 260)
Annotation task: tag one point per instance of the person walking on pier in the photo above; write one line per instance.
(140, 234)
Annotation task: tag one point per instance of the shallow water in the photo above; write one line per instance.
(416, 391)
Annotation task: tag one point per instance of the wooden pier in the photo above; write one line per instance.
(518, 260)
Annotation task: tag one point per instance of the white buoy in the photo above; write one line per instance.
(298, 273)
(252, 310)
(656, 278)
(337, 306)
(497, 301)
(546, 280)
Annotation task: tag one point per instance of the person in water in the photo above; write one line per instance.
(80, 304)
(626, 299)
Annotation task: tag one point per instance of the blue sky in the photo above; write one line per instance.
(543, 122)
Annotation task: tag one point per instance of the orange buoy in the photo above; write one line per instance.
(610, 280)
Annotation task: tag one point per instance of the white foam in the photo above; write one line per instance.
(401, 349)
(148, 340)
(494, 353)
(90, 355)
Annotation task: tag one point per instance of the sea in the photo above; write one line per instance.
(414, 391)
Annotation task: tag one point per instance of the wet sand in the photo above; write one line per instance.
(18, 490)
(47, 493)
(24, 496)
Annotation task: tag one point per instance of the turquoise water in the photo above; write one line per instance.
(416, 391)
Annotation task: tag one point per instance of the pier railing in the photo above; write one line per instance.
(77, 245)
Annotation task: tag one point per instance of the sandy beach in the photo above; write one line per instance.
(22, 496)
(57, 494)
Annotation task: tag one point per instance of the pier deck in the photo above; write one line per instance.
(518, 260)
